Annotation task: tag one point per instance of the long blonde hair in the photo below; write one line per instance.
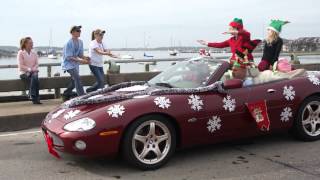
(272, 38)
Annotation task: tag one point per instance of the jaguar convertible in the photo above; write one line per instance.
(191, 103)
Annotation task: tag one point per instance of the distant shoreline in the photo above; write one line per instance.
(303, 44)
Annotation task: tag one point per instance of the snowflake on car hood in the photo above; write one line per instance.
(71, 114)
(162, 102)
(116, 110)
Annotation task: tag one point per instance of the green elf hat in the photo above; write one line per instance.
(276, 25)
(237, 23)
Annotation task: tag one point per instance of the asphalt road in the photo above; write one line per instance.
(23, 155)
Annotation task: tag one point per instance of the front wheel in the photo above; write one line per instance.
(307, 124)
(149, 142)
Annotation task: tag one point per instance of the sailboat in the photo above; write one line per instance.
(146, 55)
(126, 56)
(51, 53)
(173, 52)
(146, 45)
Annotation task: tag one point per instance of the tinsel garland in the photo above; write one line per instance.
(217, 86)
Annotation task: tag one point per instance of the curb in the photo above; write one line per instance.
(21, 122)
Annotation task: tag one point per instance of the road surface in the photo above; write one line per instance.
(23, 155)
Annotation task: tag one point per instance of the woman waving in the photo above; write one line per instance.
(97, 49)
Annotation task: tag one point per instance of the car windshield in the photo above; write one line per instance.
(187, 74)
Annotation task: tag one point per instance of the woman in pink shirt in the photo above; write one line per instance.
(28, 68)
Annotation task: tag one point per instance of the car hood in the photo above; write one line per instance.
(66, 114)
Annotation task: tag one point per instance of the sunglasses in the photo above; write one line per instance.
(78, 30)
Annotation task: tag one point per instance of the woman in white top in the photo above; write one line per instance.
(96, 51)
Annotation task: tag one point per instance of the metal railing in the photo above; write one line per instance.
(152, 61)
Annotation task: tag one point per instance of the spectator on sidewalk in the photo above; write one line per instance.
(72, 58)
(28, 68)
(97, 49)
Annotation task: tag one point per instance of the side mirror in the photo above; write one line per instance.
(232, 83)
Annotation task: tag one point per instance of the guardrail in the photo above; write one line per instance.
(150, 61)
(57, 83)
(112, 77)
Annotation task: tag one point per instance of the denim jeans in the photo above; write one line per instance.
(99, 75)
(33, 82)
(74, 83)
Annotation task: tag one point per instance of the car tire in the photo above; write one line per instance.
(149, 142)
(307, 124)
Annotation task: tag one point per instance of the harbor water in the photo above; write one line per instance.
(12, 73)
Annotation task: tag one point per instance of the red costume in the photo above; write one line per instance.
(235, 42)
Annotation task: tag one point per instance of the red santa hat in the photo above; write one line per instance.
(237, 23)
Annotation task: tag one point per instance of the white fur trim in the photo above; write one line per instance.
(273, 29)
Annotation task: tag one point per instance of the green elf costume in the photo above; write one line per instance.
(272, 51)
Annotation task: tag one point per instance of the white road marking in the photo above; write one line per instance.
(20, 133)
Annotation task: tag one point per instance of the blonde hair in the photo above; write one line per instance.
(272, 38)
(23, 42)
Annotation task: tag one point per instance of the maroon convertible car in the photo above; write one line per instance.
(191, 103)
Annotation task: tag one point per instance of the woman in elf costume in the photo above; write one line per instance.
(272, 45)
(242, 66)
(239, 37)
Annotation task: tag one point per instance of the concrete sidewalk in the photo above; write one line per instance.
(23, 115)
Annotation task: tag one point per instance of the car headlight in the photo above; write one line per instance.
(80, 125)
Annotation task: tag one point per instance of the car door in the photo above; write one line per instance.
(279, 98)
(224, 115)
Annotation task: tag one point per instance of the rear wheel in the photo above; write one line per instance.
(149, 142)
(307, 124)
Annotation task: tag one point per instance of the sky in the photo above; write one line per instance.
(156, 23)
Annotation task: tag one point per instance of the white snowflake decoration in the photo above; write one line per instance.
(116, 111)
(58, 113)
(229, 104)
(313, 79)
(195, 102)
(71, 114)
(214, 124)
(286, 114)
(289, 93)
(162, 102)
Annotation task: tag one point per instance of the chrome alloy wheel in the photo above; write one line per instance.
(151, 142)
(311, 118)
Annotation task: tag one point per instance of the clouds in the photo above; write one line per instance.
(185, 21)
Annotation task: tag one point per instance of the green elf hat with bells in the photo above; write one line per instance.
(237, 23)
(276, 25)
